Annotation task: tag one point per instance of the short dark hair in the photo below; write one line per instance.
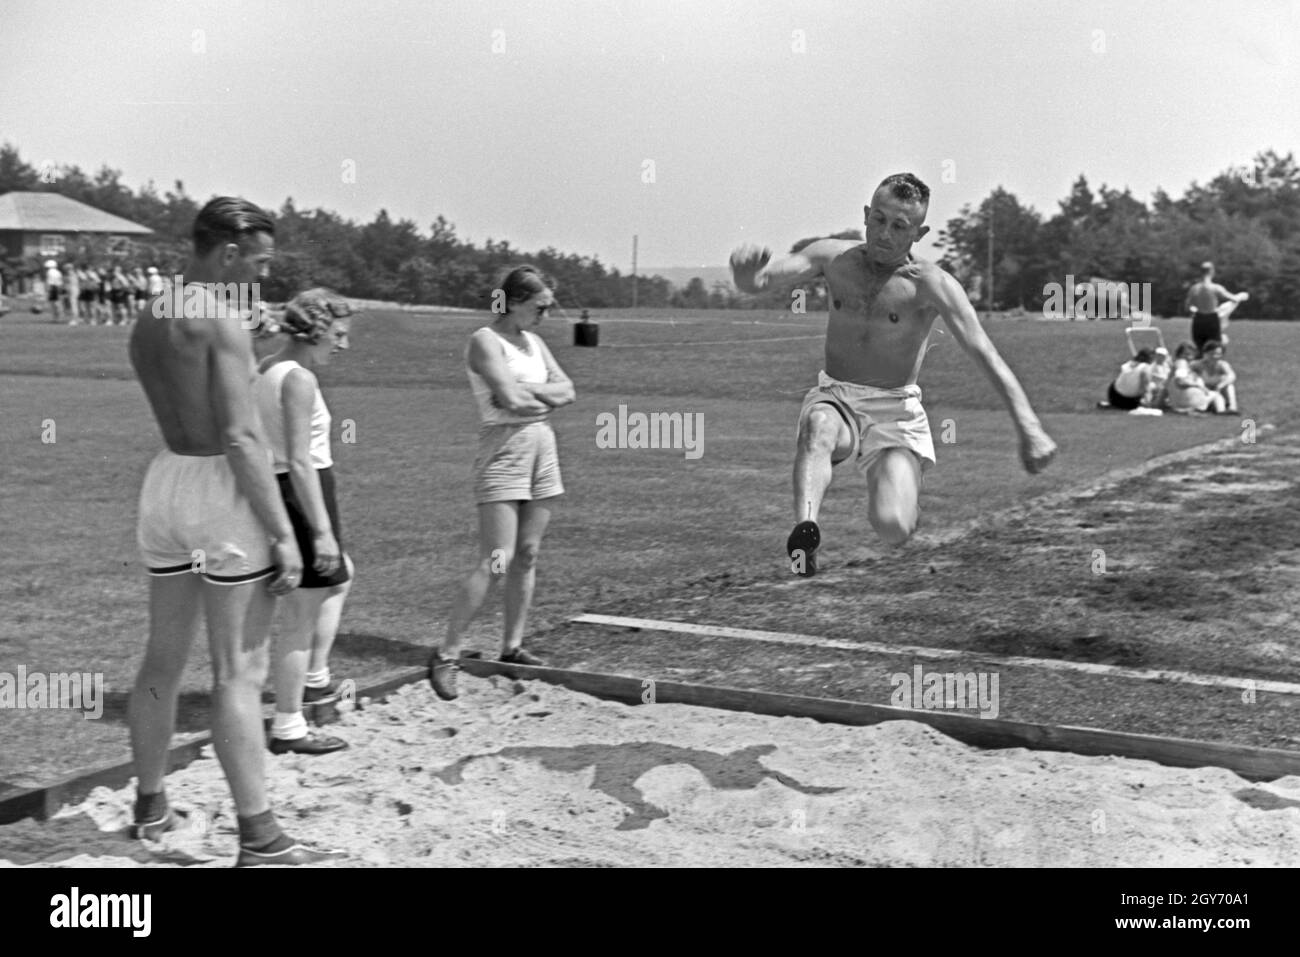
(229, 219)
(1211, 345)
(1144, 355)
(907, 187)
(1184, 349)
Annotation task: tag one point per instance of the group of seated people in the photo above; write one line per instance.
(1189, 383)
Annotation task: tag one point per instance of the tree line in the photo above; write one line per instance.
(384, 259)
(1246, 220)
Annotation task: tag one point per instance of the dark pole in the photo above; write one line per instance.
(990, 299)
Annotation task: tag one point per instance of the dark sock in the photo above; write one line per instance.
(262, 833)
(150, 807)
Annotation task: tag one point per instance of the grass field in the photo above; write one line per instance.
(635, 522)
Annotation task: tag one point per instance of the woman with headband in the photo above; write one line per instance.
(297, 424)
(516, 383)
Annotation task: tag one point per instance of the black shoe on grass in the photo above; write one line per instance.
(802, 547)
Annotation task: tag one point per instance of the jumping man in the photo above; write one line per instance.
(867, 405)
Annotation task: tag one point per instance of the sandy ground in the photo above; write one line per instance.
(529, 774)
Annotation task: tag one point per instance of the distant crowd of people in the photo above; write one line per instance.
(1191, 382)
(103, 295)
(1196, 379)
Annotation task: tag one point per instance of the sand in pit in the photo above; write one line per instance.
(536, 775)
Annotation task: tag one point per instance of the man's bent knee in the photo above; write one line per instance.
(894, 526)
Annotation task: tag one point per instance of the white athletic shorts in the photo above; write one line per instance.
(194, 520)
(878, 418)
(517, 463)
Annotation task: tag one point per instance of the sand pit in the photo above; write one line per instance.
(528, 774)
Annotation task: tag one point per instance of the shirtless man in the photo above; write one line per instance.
(213, 531)
(866, 404)
(1211, 305)
(1217, 375)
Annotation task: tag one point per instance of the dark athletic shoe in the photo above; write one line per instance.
(317, 695)
(521, 657)
(154, 830)
(297, 854)
(442, 676)
(310, 744)
(801, 547)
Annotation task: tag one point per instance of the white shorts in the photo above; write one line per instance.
(517, 463)
(878, 418)
(194, 520)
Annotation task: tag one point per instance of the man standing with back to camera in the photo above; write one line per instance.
(213, 531)
(1211, 305)
(867, 405)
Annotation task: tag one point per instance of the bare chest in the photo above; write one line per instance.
(875, 301)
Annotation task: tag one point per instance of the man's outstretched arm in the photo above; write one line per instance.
(753, 269)
(1225, 296)
(1036, 448)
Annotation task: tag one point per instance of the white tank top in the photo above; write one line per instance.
(1129, 381)
(527, 367)
(269, 388)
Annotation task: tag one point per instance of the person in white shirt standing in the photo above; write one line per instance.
(54, 289)
(297, 424)
(516, 383)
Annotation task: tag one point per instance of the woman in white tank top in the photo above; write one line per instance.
(516, 383)
(297, 425)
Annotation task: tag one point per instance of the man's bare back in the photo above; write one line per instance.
(173, 359)
(1205, 295)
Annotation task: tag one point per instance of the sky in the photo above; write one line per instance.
(696, 125)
